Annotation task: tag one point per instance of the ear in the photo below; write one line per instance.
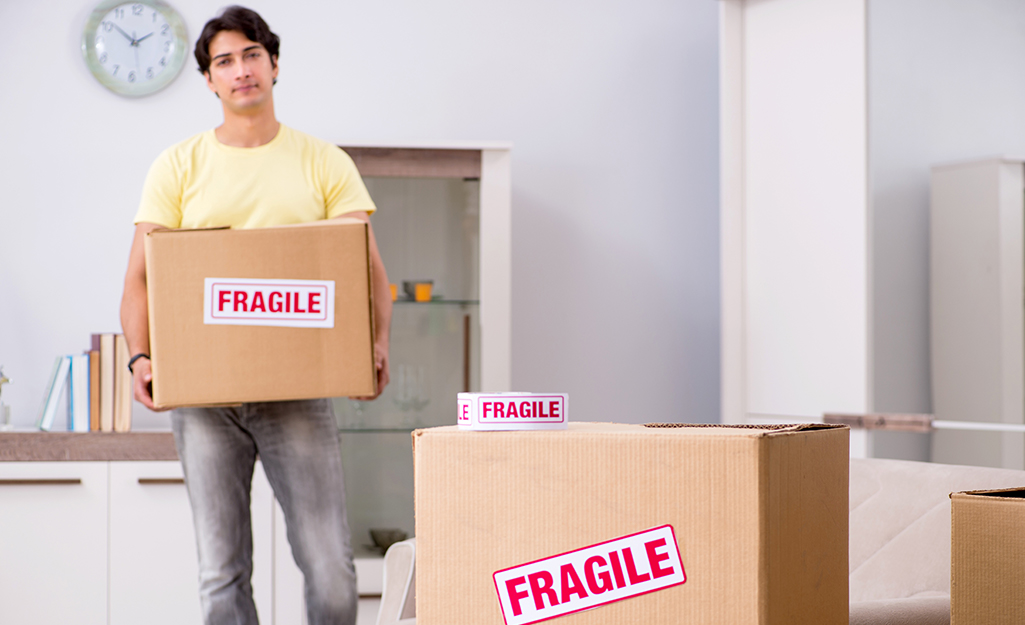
(210, 83)
(274, 67)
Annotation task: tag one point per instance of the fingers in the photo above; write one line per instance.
(142, 389)
(142, 392)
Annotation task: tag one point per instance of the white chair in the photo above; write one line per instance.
(398, 591)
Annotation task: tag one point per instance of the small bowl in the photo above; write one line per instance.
(384, 538)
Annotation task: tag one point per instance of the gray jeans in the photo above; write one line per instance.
(297, 442)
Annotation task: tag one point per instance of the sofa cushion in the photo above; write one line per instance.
(931, 609)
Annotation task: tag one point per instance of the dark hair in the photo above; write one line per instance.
(240, 19)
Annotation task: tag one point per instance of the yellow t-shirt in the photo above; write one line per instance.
(201, 183)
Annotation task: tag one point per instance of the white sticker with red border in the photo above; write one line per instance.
(578, 580)
(512, 411)
(283, 303)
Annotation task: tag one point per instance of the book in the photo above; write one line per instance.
(122, 386)
(94, 389)
(58, 378)
(105, 344)
(78, 393)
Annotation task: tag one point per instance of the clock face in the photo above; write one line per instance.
(134, 48)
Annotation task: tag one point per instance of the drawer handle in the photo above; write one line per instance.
(41, 482)
(161, 480)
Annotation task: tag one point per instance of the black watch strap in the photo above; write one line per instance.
(134, 358)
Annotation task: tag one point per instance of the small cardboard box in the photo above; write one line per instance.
(260, 315)
(610, 524)
(987, 567)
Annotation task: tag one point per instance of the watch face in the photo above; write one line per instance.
(134, 48)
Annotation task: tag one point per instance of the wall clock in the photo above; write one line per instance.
(135, 48)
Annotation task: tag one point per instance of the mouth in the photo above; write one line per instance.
(244, 88)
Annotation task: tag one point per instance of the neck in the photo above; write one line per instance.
(248, 129)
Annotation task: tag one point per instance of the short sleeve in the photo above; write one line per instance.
(344, 191)
(162, 194)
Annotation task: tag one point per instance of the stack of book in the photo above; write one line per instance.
(99, 388)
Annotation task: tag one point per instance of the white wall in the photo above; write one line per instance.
(946, 83)
(611, 107)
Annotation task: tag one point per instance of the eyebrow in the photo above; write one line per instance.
(256, 47)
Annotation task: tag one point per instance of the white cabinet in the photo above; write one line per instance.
(152, 546)
(113, 543)
(977, 262)
(53, 542)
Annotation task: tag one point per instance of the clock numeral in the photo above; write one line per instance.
(167, 46)
(103, 58)
(154, 16)
(163, 61)
(165, 30)
(116, 67)
(131, 76)
(119, 13)
(149, 72)
(137, 9)
(107, 26)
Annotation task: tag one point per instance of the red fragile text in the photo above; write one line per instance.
(511, 409)
(589, 577)
(283, 303)
(274, 301)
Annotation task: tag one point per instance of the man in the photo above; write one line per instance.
(250, 172)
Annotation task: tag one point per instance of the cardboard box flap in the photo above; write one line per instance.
(661, 429)
(170, 230)
(770, 428)
(1000, 493)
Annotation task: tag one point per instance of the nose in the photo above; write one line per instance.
(242, 70)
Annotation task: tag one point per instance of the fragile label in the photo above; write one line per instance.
(286, 303)
(512, 411)
(578, 580)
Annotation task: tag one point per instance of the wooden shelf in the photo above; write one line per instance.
(91, 446)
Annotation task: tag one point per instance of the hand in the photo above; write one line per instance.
(381, 366)
(142, 379)
(137, 41)
(127, 36)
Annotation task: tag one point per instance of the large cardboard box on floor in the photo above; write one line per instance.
(612, 524)
(260, 315)
(987, 567)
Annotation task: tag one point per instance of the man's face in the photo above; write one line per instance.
(241, 71)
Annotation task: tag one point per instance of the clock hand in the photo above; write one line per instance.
(129, 37)
(137, 41)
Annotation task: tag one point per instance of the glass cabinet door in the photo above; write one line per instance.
(427, 229)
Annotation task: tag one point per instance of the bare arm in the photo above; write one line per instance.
(382, 306)
(135, 314)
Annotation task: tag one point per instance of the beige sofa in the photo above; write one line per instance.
(899, 543)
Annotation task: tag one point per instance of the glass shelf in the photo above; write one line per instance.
(459, 302)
